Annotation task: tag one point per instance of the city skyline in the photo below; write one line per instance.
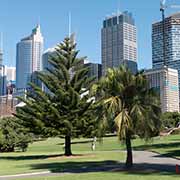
(18, 17)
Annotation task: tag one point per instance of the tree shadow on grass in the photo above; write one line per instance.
(44, 157)
(172, 153)
(77, 142)
(30, 157)
(157, 146)
(105, 166)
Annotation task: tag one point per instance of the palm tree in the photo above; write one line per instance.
(134, 107)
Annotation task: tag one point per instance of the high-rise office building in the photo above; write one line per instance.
(46, 57)
(29, 58)
(95, 70)
(119, 42)
(2, 73)
(165, 81)
(10, 73)
(1, 58)
(45, 62)
(172, 43)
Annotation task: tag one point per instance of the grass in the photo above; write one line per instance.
(47, 155)
(109, 176)
(167, 146)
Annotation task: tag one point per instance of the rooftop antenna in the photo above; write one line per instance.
(118, 6)
(69, 24)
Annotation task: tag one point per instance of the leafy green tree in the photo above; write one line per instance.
(170, 119)
(61, 111)
(134, 107)
(12, 135)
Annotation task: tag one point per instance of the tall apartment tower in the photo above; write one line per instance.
(172, 43)
(119, 42)
(165, 81)
(28, 58)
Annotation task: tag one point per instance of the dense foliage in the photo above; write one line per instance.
(127, 100)
(63, 110)
(170, 119)
(13, 136)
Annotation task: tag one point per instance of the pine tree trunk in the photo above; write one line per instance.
(129, 160)
(68, 146)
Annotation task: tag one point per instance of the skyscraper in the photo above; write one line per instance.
(10, 72)
(165, 81)
(2, 70)
(47, 55)
(95, 70)
(172, 43)
(119, 42)
(50, 52)
(29, 58)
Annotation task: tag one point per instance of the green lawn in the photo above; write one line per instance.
(46, 155)
(110, 176)
(168, 146)
(42, 156)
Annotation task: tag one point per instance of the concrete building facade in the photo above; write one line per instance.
(10, 73)
(165, 81)
(119, 42)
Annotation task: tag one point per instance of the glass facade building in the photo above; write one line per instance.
(28, 58)
(95, 70)
(119, 42)
(172, 43)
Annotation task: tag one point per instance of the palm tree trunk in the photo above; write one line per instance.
(129, 160)
(68, 146)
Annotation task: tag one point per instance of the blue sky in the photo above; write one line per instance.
(19, 17)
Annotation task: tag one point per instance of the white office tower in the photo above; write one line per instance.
(29, 58)
(10, 73)
(165, 81)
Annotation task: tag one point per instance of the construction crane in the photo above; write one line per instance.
(163, 6)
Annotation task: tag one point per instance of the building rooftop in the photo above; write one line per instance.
(173, 16)
(35, 31)
(160, 69)
(118, 18)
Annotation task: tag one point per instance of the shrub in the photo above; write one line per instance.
(13, 136)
